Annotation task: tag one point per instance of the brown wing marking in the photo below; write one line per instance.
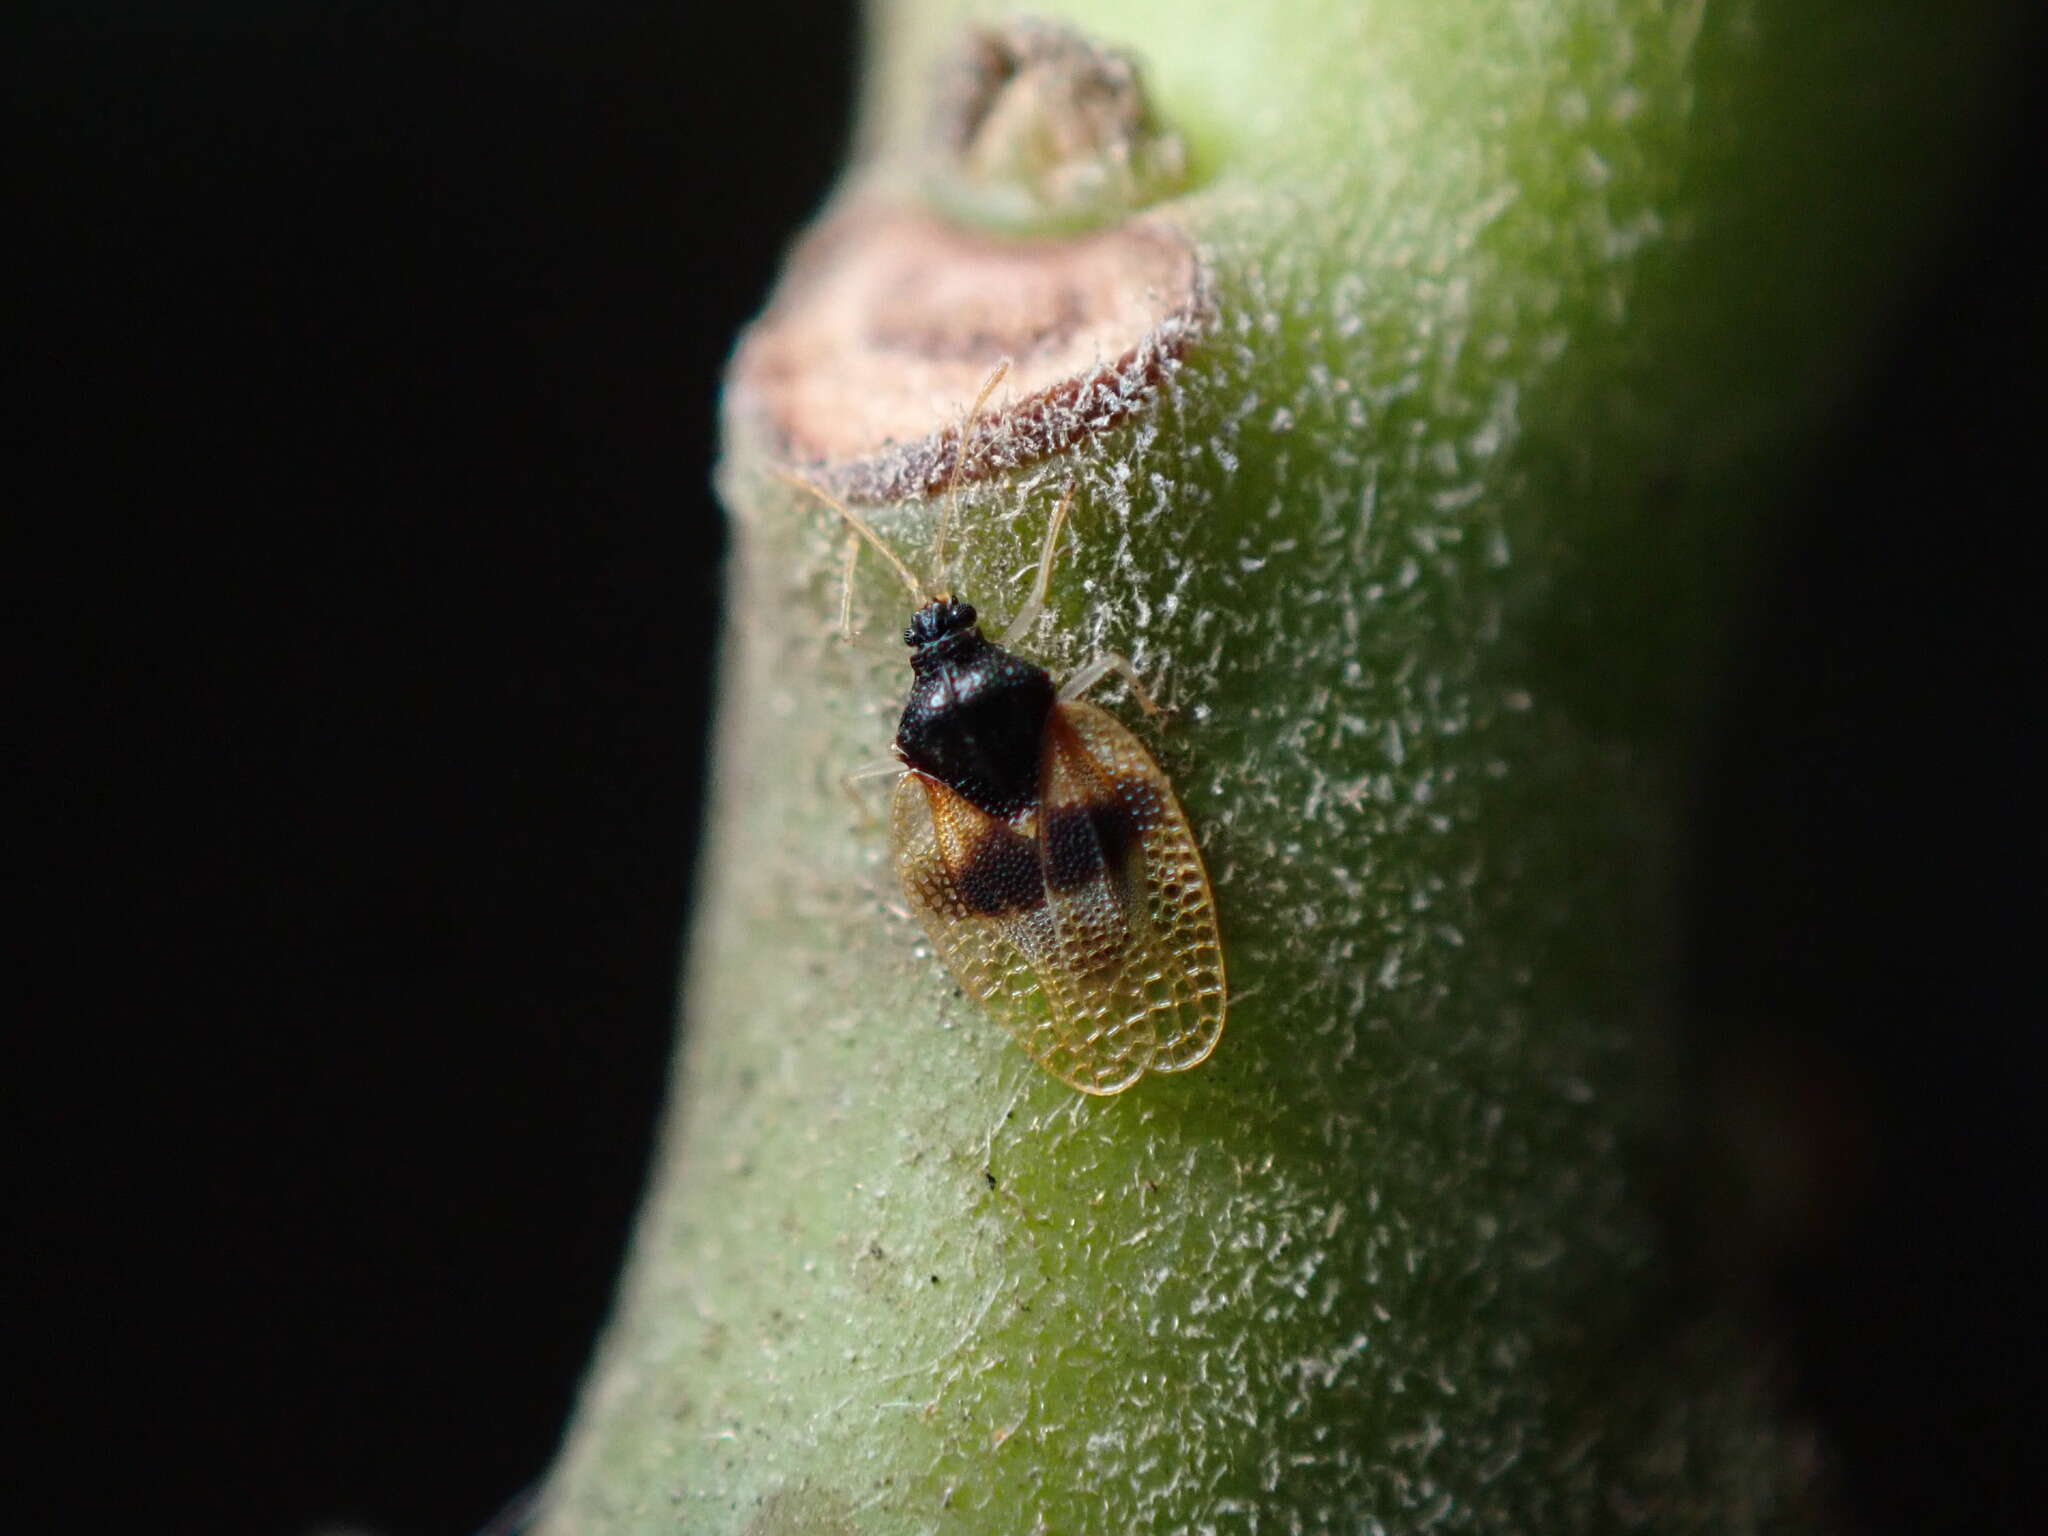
(1139, 943)
(974, 883)
(1095, 905)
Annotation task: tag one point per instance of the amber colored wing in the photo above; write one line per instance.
(1092, 867)
(975, 884)
(1135, 947)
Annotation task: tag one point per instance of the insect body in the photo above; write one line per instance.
(1045, 853)
(1051, 865)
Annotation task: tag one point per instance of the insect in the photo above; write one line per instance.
(1041, 845)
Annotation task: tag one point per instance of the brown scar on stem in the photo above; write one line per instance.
(887, 319)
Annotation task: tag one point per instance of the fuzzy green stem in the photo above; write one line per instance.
(1517, 319)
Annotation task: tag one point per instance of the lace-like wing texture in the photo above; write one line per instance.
(1167, 979)
(1085, 926)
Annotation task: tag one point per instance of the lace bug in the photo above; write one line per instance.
(1041, 845)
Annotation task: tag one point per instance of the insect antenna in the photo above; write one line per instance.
(995, 377)
(860, 526)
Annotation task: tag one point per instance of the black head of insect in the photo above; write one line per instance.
(938, 621)
(975, 717)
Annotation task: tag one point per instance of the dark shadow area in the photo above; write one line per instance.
(372, 362)
(1869, 998)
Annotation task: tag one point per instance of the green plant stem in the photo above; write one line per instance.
(1521, 316)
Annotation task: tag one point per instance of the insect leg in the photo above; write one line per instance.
(850, 781)
(1034, 606)
(846, 587)
(1109, 661)
(850, 637)
(868, 645)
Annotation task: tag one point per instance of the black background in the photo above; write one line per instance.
(370, 586)
(373, 364)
